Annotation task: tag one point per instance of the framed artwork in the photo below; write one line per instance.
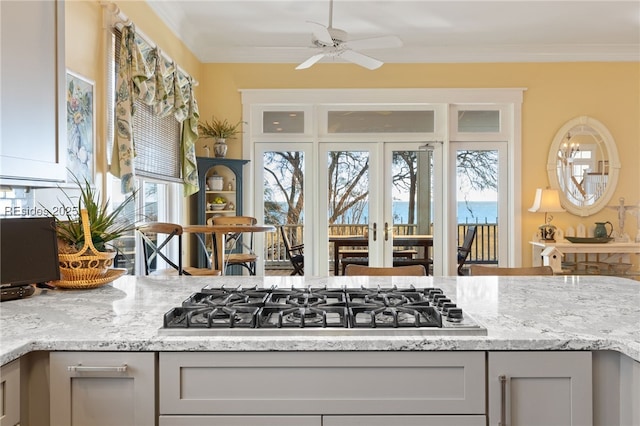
(80, 128)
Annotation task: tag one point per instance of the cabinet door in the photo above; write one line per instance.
(240, 421)
(540, 388)
(33, 113)
(10, 394)
(102, 388)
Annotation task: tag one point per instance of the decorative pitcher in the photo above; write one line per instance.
(601, 230)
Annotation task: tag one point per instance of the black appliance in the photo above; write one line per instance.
(380, 310)
(28, 255)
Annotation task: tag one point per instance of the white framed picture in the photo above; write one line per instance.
(80, 127)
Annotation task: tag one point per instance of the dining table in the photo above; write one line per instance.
(417, 240)
(219, 234)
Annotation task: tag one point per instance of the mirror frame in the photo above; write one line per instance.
(614, 165)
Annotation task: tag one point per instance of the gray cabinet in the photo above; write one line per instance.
(321, 384)
(540, 388)
(10, 394)
(33, 105)
(102, 388)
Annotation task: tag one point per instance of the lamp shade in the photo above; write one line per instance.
(546, 201)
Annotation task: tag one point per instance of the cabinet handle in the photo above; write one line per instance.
(97, 369)
(503, 400)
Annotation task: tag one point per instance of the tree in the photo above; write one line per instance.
(285, 183)
(348, 187)
(348, 190)
(405, 176)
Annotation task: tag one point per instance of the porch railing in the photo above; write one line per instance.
(483, 250)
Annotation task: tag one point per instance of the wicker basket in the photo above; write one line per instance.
(88, 264)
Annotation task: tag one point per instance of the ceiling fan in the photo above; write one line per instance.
(333, 42)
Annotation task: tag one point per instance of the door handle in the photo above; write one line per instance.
(386, 231)
(503, 400)
(375, 231)
(97, 369)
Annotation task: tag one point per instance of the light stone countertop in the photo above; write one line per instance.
(520, 313)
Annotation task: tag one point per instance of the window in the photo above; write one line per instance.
(283, 122)
(478, 121)
(387, 121)
(157, 165)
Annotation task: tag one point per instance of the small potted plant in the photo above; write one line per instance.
(220, 130)
(84, 236)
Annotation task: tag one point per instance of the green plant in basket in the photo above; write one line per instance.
(104, 225)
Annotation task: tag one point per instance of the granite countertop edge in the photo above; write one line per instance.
(127, 316)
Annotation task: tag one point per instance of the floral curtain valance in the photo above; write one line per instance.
(145, 74)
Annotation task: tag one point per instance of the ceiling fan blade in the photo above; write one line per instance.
(322, 34)
(309, 62)
(361, 59)
(382, 42)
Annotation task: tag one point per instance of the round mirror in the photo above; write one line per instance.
(583, 165)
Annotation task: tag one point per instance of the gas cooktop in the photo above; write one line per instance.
(310, 310)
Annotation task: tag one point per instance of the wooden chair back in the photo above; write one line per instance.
(246, 260)
(465, 249)
(234, 220)
(407, 271)
(295, 253)
(488, 270)
(155, 247)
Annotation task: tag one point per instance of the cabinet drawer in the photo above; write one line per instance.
(322, 383)
(404, 420)
(240, 421)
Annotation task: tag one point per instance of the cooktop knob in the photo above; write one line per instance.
(433, 291)
(446, 307)
(442, 301)
(454, 315)
(437, 297)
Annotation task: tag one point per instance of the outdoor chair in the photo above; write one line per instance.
(294, 253)
(155, 245)
(465, 249)
(245, 259)
(407, 271)
(489, 270)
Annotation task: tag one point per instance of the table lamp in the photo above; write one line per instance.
(547, 201)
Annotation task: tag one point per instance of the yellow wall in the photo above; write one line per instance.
(555, 93)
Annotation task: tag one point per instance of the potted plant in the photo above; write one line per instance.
(220, 130)
(84, 235)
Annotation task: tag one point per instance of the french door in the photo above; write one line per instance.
(284, 174)
(381, 163)
(348, 203)
(374, 193)
(478, 198)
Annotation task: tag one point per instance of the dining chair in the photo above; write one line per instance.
(489, 270)
(245, 259)
(295, 253)
(156, 237)
(465, 249)
(407, 271)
